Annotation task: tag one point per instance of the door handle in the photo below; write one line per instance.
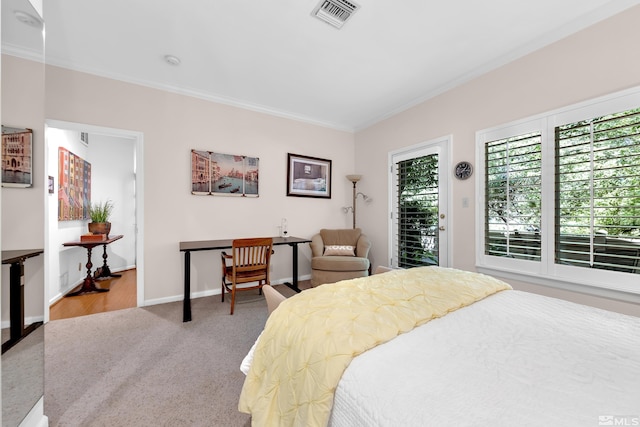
(441, 228)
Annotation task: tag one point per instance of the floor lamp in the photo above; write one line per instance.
(354, 179)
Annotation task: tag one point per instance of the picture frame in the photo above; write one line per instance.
(17, 157)
(74, 186)
(308, 176)
(219, 174)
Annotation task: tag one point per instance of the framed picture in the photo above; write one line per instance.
(308, 176)
(218, 174)
(17, 156)
(74, 186)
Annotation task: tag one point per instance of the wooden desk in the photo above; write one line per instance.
(207, 245)
(16, 259)
(89, 284)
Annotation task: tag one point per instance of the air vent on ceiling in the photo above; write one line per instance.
(335, 12)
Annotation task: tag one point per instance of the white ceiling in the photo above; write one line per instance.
(273, 56)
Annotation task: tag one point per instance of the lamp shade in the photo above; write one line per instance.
(354, 178)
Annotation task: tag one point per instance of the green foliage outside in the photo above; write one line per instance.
(418, 211)
(513, 183)
(615, 155)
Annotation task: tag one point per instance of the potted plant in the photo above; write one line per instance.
(99, 214)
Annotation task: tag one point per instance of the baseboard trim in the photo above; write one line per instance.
(36, 417)
(211, 292)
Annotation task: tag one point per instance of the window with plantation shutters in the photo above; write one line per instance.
(513, 189)
(597, 180)
(559, 198)
(419, 182)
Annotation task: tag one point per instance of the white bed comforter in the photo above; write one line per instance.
(512, 359)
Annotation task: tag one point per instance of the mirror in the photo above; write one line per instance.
(22, 360)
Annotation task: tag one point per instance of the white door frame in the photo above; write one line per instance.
(138, 138)
(442, 146)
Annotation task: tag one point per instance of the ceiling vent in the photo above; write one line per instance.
(335, 12)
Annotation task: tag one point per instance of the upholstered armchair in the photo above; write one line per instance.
(339, 255)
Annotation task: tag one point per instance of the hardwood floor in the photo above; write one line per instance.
(122, 294)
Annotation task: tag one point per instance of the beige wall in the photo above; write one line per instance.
(599, 60)
(23, 107)
(172, 124)
(22, 208)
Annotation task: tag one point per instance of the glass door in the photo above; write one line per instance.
(419, 185)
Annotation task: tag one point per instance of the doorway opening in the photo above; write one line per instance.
(112, 164)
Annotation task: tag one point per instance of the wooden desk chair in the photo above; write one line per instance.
(249, 263)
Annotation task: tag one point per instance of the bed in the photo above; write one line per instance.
(493, 357)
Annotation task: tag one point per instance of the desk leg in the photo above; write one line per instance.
(186, 303)
(17, 331)
(89, 285)
(16, 300)
(294, 285)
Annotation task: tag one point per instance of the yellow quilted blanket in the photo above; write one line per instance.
(311, 338)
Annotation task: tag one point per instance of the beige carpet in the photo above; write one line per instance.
(22, 376)
(145, 367)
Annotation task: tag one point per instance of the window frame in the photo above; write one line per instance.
(521, 128)
(610, 284)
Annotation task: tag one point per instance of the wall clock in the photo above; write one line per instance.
(463, 170)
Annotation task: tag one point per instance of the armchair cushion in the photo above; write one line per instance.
(340, 263)
(333, 250)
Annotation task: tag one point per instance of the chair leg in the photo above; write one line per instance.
(233, 298)
(222, 293)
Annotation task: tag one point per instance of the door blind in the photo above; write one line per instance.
(416, 219)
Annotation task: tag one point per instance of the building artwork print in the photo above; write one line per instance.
(74, 186)
(17, 157)
(218, 174)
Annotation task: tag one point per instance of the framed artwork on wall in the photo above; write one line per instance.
(74, 186)
(17, 157)
(308, 176)
(217, 174)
